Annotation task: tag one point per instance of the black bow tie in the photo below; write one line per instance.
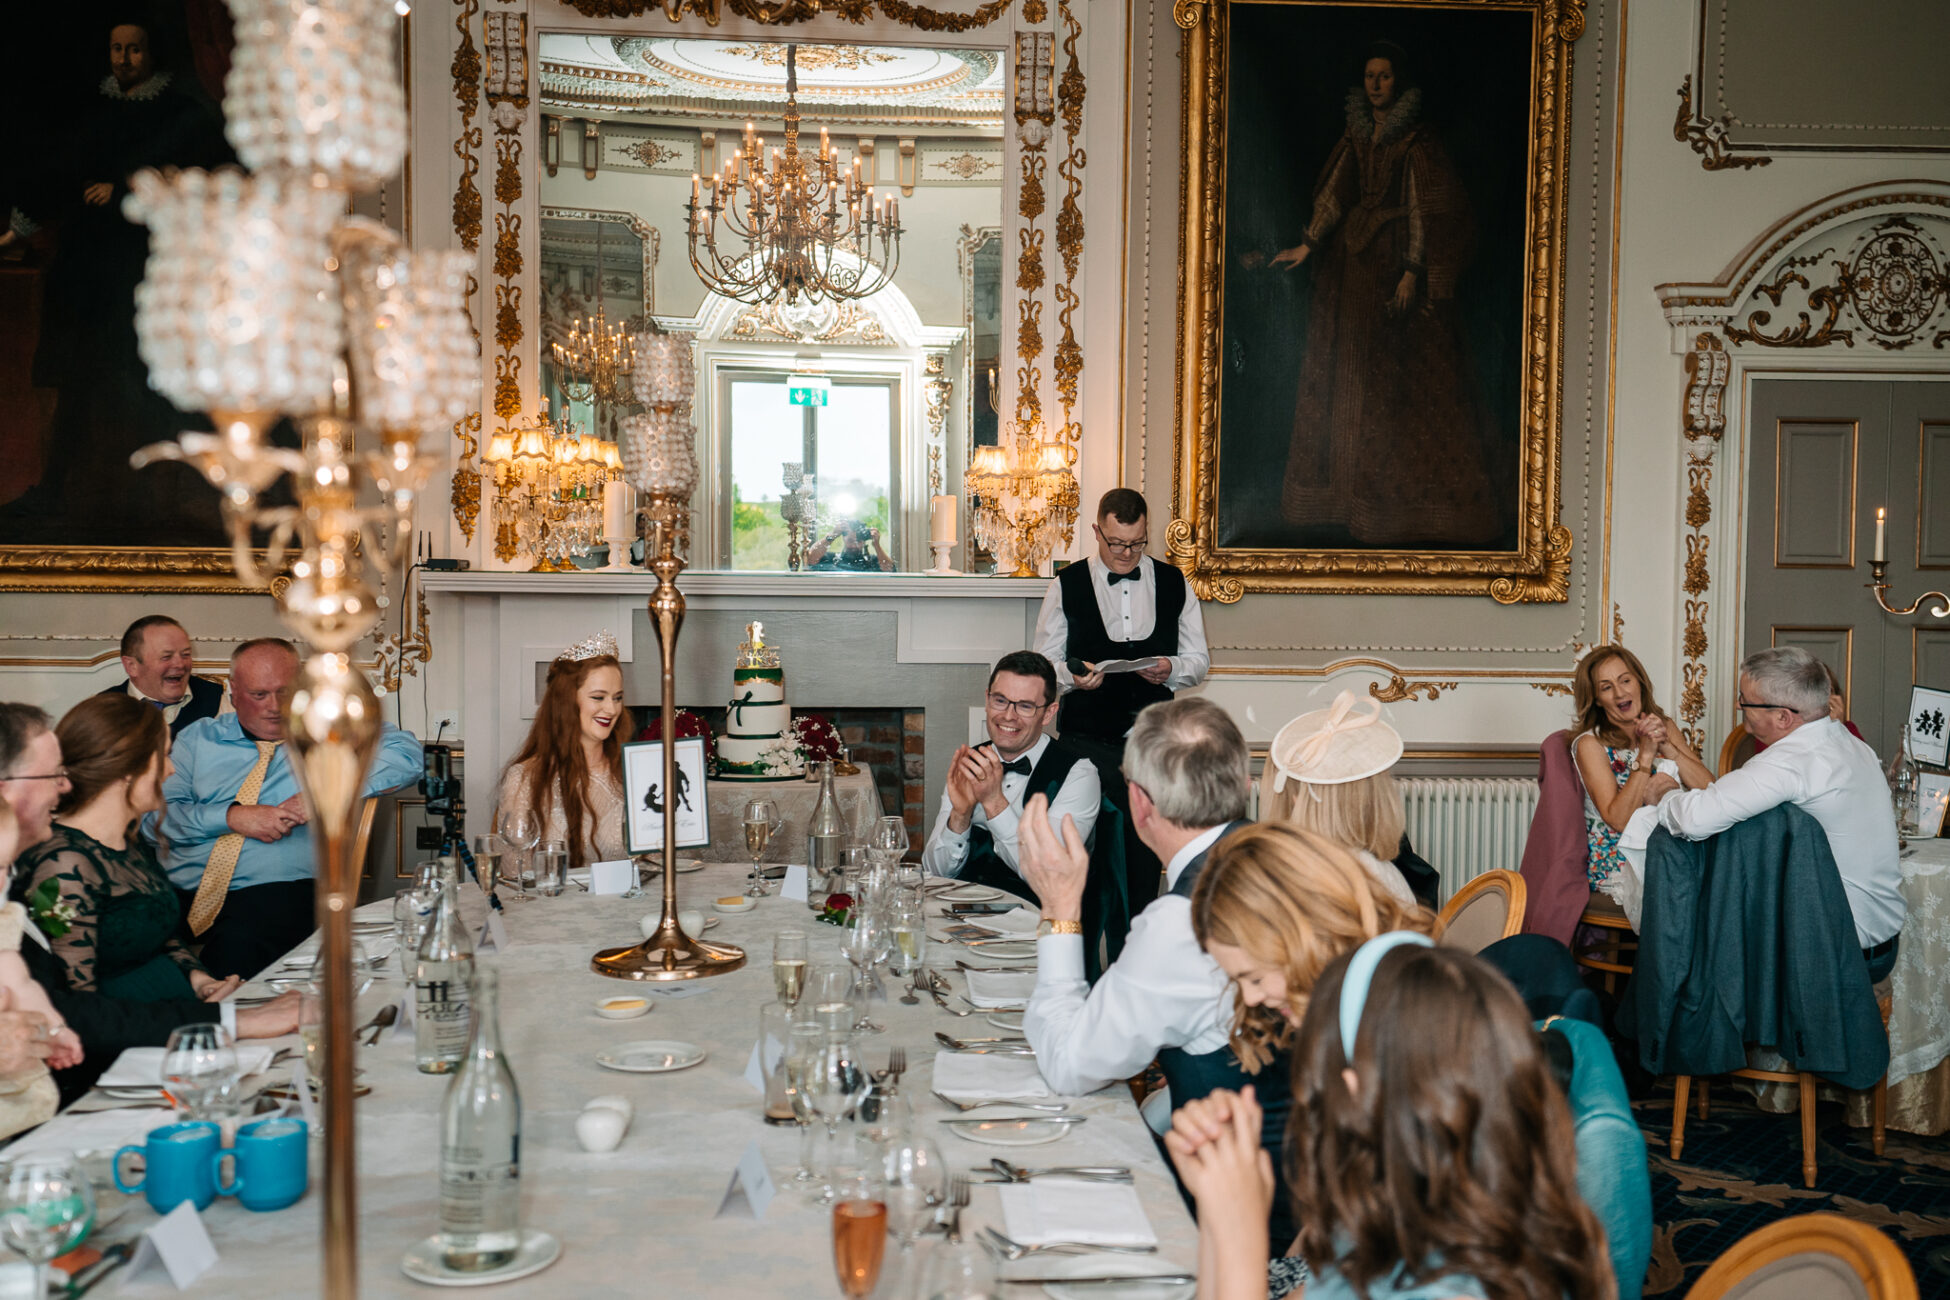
(1113, 577)
(1020, 767)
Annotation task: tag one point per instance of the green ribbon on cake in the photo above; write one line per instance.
(737, 708)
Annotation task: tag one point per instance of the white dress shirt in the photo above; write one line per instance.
(1079, 797)
(1130, 613)
(1162, 991)
(1834, 778)
(169, 711)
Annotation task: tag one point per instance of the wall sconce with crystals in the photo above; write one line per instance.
(240, 316)
(1023, 501)
(549, 492)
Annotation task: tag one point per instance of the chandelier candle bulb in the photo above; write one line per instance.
(1882, 520)
(942, 522)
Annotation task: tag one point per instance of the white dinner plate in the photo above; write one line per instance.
(1099, 1266)
(1004, 949)
(537, 1251)
(1010, 1132)
(969, 894)
(1009, 1020)
(655, 1056)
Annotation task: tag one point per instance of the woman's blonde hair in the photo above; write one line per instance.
(1296, 900)
(1365, 814)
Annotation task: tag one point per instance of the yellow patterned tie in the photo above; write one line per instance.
(215, 885)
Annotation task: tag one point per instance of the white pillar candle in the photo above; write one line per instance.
(616, 510)
(1882, 520)
(942, 530)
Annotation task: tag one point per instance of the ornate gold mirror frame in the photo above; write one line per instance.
(1538, 569)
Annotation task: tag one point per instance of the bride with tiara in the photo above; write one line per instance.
(569, 772)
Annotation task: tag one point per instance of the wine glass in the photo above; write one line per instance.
(859, 1235)
(47, 1207)
(889, 839)
(803, 1037)
(364, 969)
(523, 831)
(833, 1082)
(959, 1271)
(789, 965)
(907, 954)
(916, 1182)
(763, 820)
(199, 1065)
(829, 992)
(865, 942)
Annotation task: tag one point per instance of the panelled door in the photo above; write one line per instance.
(1823, 456)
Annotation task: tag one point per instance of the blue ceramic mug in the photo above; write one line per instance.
(269, 1164)
(179, 1164)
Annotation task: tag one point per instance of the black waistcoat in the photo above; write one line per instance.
(1108, 712)
(983, 866)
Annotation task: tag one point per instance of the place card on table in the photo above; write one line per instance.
(614, 877)
(794, 885)
(408, 1003)
(751, 1189)
(994, 989)
(1062, 1209)
(180, 1243)
(494, 934)
(983, 1076)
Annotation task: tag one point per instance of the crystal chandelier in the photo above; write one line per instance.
(1023, 501)
(596, 359)
(807, 225)
(549, 492)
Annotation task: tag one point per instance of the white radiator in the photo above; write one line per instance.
(1464, 827)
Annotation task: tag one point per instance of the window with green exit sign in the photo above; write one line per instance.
(806, 390)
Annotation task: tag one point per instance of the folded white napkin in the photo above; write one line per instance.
(141, 1067)
(101, 1130)
(1016, 921)
(978, 1076)
(1001, 988)
(1061, 1209)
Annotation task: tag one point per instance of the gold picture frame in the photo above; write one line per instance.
(1536, 568)
(120, 568)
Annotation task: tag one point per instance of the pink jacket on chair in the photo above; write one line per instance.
(1555, 855)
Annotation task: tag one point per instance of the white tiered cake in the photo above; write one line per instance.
(756, 745)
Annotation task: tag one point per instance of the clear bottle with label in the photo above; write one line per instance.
(443, 970)
(480, 1146)
(825, 842)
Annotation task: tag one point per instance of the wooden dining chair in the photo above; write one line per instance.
(1806, 1084)
(1739, 747)
(1605, 941)
(1488, 908)
(1810, 1257)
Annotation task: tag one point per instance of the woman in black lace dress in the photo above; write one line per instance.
(94, 886)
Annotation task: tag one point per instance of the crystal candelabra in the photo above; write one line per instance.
(1023, 499)
(808, 226)
(549, 492)
(260, 302)
(797, 507)
(658, 459)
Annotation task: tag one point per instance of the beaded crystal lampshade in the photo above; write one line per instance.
(657, 455)
(665, 374)
(237, 311)
(408, 337)
(313, 87)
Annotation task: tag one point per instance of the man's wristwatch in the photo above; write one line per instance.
(1049, 927)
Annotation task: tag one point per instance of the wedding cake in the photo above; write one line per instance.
(757, 743)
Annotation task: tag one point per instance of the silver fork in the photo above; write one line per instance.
(897, 1063)
(941, 1000)
(1053, 1107)
(957, 1202)
(1014, 1250)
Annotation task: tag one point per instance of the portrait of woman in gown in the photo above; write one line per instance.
(1373, 303)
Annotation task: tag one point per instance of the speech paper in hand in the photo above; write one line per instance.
(1109, 666)
(751, 1188)
(180, 1243)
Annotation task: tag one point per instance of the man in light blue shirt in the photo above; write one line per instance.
(238, 850)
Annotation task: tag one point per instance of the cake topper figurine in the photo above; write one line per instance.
(600, 644)
(755, 631)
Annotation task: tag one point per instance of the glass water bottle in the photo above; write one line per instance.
(825, 842)
(480, 1146)
(442, 971)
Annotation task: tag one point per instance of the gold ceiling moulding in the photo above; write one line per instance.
(1538, 568)
(784, 13)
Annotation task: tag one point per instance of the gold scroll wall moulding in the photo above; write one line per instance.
(1539, 569)
(1398, 688)
(1709, 139)
(1070, 93)
(1890, 287)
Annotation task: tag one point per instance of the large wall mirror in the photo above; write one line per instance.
(851, 413)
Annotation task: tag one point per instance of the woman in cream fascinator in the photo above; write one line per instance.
(1328, 772)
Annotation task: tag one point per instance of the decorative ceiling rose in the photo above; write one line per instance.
(817, 57)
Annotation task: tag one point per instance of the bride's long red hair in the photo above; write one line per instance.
(554, 745)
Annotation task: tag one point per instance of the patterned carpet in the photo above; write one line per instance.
(1742, 1170)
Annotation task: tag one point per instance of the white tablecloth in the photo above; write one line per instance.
(859, 805)
(638, 1221)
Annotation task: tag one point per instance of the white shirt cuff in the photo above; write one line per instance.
(227, 1014)
(1059, 957)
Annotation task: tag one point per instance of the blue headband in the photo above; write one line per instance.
(1360, 974)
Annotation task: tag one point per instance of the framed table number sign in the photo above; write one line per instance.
(645, 802)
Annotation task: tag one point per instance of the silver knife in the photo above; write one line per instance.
(1124, 1279)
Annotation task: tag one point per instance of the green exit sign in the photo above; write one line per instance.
(808, 390)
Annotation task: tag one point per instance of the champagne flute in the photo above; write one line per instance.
(523, 831)
(199, 1063)
(47, 1207)
(859, 1236)
(490, 860)
(762, 821)
(789, 965)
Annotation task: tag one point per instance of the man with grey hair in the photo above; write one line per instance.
(1186, 766)
(1812, 761)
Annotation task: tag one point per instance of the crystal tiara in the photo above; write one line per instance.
(600, 644)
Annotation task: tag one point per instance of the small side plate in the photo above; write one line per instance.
(1014, 1132)
(655, 1056)
(423, 1263)
(618, 1008)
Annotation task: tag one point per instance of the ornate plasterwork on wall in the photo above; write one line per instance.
(1709, 139)
(1035, 112)
(1864, 267)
